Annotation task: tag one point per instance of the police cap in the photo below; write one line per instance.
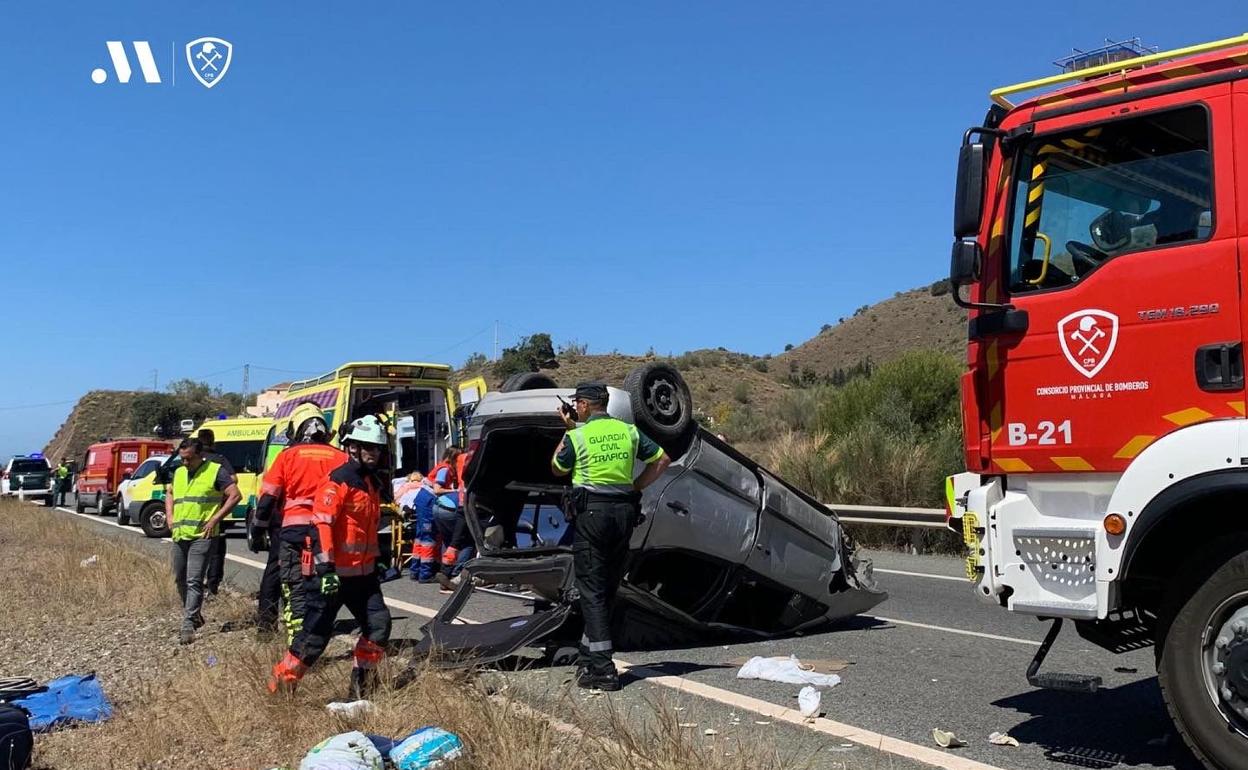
(591, 391)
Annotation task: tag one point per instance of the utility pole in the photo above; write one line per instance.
(154, 379)
(495, 341)
(246, 383)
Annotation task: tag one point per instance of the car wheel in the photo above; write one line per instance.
(78, 504)
(662, 406)
(123, 513)
(47, 501)
(528, 381)
(152, 519)
(1203, 663)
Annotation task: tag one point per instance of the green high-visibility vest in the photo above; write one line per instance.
(194, 500)
(606, 450)
(62, 472)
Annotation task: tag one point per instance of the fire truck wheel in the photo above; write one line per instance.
(1202, 661)
(152, 519)
(78, 504)
(99, 504)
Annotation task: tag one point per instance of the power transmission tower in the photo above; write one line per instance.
(246, 383)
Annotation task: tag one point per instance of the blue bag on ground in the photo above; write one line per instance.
(425, 748)
(68, 699)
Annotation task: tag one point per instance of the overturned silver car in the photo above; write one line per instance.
(726, 547)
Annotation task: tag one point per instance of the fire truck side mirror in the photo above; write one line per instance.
(968, 202)
(964, 263)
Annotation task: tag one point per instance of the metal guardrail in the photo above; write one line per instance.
(933, 518)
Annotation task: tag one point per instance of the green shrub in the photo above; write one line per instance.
(760, 365)
(741, 392)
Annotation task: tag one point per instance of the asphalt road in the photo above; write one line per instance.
(930, 656)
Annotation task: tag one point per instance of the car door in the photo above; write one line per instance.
(711, 507)
(1121, 249)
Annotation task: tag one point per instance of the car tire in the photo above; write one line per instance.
(662, 406)
(152, 519)
(1197, 602)
(47, 501)
(528, 381)
(123, 513)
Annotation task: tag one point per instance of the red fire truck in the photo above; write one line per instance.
(1097, 232)
(106, 465)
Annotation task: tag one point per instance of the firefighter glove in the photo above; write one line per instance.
(329, 584)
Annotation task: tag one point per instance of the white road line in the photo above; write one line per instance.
(867, 738)
(961, 631)
(921, 575)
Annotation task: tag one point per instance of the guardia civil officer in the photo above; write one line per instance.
(605, 503)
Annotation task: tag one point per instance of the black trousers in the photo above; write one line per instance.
(216, 565)
(269, 599)
(599, 551)
(362, 598)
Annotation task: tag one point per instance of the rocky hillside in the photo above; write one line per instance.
(99, 414)
(916, 319)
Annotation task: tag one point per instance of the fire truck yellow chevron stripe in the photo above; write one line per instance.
(1187, 416)
(1012, 464)
(1072, 463)
(1236, 405)
(1134, 447)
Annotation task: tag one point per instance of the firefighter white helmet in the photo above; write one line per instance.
(367, 430)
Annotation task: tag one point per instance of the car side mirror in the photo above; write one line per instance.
(126, 476)
(968, 200)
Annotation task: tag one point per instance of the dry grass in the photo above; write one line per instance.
(205, 706)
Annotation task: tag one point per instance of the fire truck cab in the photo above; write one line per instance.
(1097, 247)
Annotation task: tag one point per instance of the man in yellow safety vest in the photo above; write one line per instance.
(203, 493)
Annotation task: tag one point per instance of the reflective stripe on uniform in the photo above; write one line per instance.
(596, 646)
(195, 499)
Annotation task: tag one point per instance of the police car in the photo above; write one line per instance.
(28, 476)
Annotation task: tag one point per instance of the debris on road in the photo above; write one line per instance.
(90, 562)
(945, 739)
(709, 731)
(1126, 669)
(808, 701)
(349, 710)
(786, 670)
(67, 699)
(1002, 739)
(426, 748)
(818, 665)
(345, 751)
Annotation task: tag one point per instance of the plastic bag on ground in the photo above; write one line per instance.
(349, 710)
(71, 698)
(345, 751)
(808, 701)
(427, 747)
(787, 670)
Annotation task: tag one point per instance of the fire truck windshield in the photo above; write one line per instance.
(1090, 194)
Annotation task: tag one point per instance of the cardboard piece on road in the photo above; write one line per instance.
(825, 666)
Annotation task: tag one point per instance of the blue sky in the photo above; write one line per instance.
(386, 184)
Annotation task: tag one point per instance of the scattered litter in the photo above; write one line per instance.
(758, 722)
(1002, 739)
(847, 745)
(686, 725)
(211, 661)
(818, 665)
(787, 670)
(709, 731)
(425, 748)
(808, 701)
(345, 751)
(1126, 669)
(91, 562)
(678, 708)
(349, 710)
(946, 740)
(67, 699)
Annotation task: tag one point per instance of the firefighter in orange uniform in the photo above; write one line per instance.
(342, 570)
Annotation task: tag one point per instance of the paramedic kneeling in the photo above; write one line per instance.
(606, 504)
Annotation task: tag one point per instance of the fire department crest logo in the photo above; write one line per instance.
(1088, 338)
(209, 59)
